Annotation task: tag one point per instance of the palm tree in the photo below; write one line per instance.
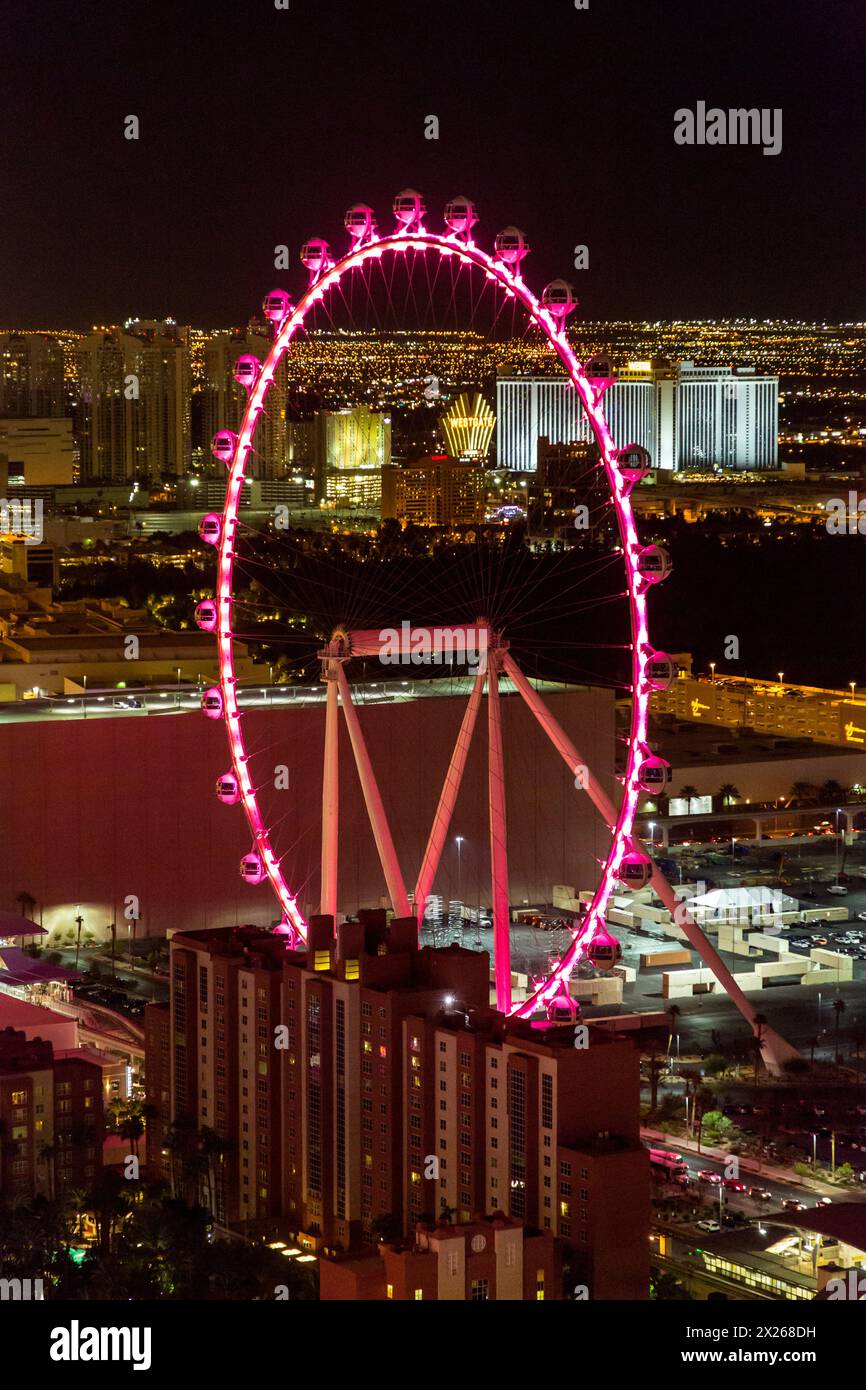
(760, 1023)
(688, 791)
(26, 902)
(839, 1007)
(728, 794)
(655, 1068)
(833, 791)
(805, 792)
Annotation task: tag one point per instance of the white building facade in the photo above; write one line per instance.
(688, 417)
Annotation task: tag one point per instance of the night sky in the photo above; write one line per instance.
(261, 126)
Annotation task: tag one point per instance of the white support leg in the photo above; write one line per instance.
(373, 801)
(776, 1050)
(498, 839)
(330, 801)
(447, 800)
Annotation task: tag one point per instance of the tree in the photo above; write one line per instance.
(688, 791)
(728, 794)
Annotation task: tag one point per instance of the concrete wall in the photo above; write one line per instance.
(94, 810)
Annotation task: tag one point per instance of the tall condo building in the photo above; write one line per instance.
(365, 1082)
(688, 417)
(224, 400)
(351, 448)
(132, 414)
(31, 375)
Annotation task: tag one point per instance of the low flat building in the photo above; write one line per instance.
(496, 1259)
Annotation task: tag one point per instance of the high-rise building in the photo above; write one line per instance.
(436, 491)
(688, 417)
(132, 414)
(352, 447)
(31, 375)
(223, 400)
(365, 1081)
(51, 1113)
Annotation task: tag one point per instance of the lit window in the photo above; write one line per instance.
(419, 1294)
(322, 960)
(353, 970)
(389, 1290)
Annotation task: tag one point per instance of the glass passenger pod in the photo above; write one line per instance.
(635, 869)
(359, 222)
(511, 246)
(660, 671)
(206, 615)
(223, 446)
(653, 774)
(409, 208)
(212, 703)
(246, 371)
(276, 306)
(252, 869)
(560, 298)
(604, 950)
(460, 216)
(633, 462)
(210, 528)
(227, 789)
(653, 564)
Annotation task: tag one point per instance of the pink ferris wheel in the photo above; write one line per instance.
(373, 258)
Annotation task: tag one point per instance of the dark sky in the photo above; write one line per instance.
(261, 126)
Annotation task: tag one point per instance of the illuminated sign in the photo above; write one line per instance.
(853, 734)
(696, 709)
(468, 426)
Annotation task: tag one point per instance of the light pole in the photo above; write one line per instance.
(781, 677)
(79, 922)
(177, 701)
(712, 671)
(733, 844)
(652, 827)
(458, 840)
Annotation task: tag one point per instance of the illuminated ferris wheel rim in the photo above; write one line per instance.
(497, 269)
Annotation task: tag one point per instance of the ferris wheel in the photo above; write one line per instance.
(405, 266)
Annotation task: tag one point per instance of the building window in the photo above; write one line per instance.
(547, 1101)
(480, 1291)
(419, 1294)
(389, 1290)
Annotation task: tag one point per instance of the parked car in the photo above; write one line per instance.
(709, 1226)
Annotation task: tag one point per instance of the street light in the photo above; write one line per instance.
(781, 677)
(713, 670)
(853, 686)
(458, 840)
(733, 843)
(652, 827)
